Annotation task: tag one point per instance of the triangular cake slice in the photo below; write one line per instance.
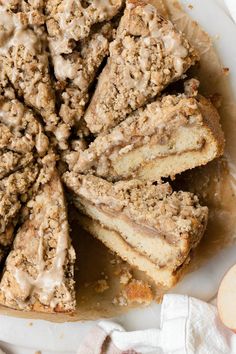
(148, 225)
(24, 59)
(38, 272)
(79, 36)
(22, 146)
(171, 135)
(16, 190)
(147, 54)
(75, 71)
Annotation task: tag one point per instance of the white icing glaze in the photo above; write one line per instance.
(46, 280)
(172, 41)
(14, 33)
(76, 27)
(64, 68)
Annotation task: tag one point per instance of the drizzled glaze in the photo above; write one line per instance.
(15, 33)
(42, 278)
(172, 40)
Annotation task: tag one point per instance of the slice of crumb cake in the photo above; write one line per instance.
(148, 225)
(168, 136)
(79, 34)
(38, 273)
(147, 54)
(75, 69)
(23, 145)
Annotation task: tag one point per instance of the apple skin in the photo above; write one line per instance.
(226, 299)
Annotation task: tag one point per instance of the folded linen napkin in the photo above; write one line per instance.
(188, 326)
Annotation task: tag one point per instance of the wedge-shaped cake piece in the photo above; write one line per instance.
(167, 137)
(13, 193)
(75, 71)
(78, 42)
(24, 60)
(38, 273)
(148, 225)
(147, 55)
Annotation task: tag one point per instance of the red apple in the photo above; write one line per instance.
(226, 299)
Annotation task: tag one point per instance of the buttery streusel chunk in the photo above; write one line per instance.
(146, 224)
(168, 136)
(147, 54)
(38, 273)
(30, 6)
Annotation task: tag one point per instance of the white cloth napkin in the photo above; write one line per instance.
(231, 5)
(188, 326)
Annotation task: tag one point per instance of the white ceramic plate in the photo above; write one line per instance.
(28, 336)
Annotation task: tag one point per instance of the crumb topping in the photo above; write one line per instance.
(173, 214)
(40, 266)
(24, 59)
(12, 192)
(72, 20)
(147, 54)
(154, 124)
(75, 71)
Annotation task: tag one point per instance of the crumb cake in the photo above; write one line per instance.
(82, 101)
(75, 71)
(78, 42)
(147, 54)
(38, 273)
(148, 225)
(170, 135)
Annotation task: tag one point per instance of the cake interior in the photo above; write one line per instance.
(181, 152)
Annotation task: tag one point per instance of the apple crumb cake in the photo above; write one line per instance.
(168, 136)
(146, 224)
(82, 101)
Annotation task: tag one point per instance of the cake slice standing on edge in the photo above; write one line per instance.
(38, 273)
(148, 225)
(168, 136)
(147, 54)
